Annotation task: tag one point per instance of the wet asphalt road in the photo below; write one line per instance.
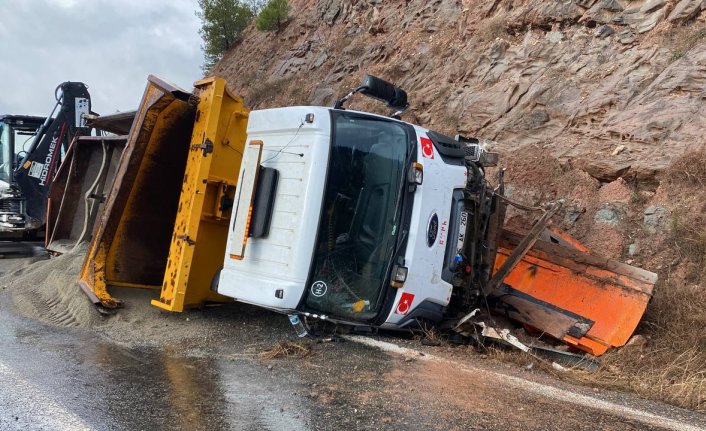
(68, 379)
(56, 378)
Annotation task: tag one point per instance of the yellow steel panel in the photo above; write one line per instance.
(134, 285)
(98, 262)
(164, 220)
(201, 228)
(129, 241)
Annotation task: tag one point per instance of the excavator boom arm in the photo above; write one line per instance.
(35, 172)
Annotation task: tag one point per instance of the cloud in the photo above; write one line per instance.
(110, 45)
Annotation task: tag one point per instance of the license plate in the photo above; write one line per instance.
(461, 232)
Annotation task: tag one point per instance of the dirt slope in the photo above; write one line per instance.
(577, 94)
(518, 72)
(598, 102)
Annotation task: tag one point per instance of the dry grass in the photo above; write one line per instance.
(433, 337)
(287, 91)
(287, 349)
(690, 169)
(671, 367)
(688, 229)
(492, 28)
(298, 93)
(681, 39)
(394, 72)
(263, 92)
(688, 236)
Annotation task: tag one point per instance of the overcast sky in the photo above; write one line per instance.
(110, 45)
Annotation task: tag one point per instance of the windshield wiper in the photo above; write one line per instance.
(402, 192)
(403, 181)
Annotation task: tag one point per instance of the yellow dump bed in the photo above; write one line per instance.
(166, 216)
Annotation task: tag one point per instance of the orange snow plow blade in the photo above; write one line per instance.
(589, 302)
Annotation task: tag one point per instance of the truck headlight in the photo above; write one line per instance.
(399, 276)
(416, 174)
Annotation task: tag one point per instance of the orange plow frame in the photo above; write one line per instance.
(589, 302)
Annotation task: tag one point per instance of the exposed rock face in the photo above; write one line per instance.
(579, 78)
(589, 101)
(600, 103)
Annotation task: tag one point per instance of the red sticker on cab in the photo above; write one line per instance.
(427, 148)
(405, 303)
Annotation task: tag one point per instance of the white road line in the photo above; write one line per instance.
(540, 389)
(36, 410)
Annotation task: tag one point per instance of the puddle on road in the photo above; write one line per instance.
(108, 385)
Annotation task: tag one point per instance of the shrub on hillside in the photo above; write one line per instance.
(273, 15)
(222, 23)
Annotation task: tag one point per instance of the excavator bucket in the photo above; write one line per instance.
(165, 220)
(560, 289)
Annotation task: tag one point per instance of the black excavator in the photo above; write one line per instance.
(31, 151)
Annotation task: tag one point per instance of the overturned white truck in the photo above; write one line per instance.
(339, 215)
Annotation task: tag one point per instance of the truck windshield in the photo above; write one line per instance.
(360, 216)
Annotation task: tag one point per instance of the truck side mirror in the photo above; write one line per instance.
(395, 97)
(379, 89)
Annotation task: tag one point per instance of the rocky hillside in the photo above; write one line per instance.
(598, 102)
(583, 78)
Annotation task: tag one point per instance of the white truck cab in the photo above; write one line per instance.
(346, 216)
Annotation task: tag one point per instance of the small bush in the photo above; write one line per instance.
(288, 90)
(690, 168)
(681, 39)
(493, 28)
(222, 23)
(273, 15)
(688, 235)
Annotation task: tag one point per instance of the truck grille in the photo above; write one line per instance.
(473, 152)
(11, 206)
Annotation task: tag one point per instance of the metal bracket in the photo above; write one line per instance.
(522, 248)
(186, 239)
(207, 147)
